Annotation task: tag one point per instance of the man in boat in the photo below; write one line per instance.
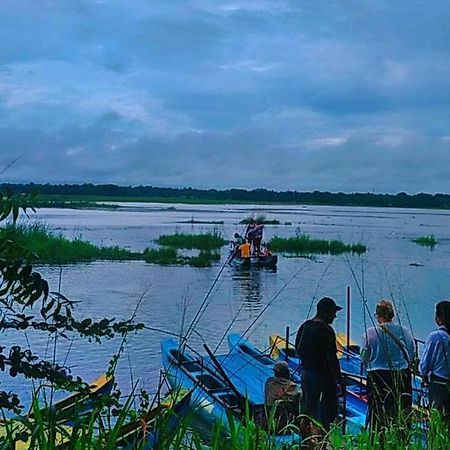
(282, 394)
(315, 345)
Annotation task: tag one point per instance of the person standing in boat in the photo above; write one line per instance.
(315, 345)
(435, 362)
(387, 353)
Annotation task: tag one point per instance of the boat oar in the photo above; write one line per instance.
(222, 372)
(232, 256)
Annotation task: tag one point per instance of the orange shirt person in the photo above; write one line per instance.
(244, 250)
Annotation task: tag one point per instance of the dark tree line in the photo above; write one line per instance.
(401, 200)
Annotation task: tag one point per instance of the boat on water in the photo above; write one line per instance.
(268, 262)
(222, 396)
(64, 413)
(349, 359)
(145, 433)
(355, 408)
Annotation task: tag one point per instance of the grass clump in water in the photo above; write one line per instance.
(206, 241)
(304, 244)
(163, 256)
(426, 241)
(260, 220)
(204, 259)
(46, 247)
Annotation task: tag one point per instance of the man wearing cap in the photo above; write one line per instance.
(283, 394)
(321, 374)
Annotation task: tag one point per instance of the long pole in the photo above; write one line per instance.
(286, 357)
(348, 321)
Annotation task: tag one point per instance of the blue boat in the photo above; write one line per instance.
(252, 357)
(213, 398)
(349, 360)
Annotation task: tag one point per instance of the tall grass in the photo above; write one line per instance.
(46, 247)
(207, 241)
(304, 244)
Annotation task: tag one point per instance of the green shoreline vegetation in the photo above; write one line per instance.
(47, 248)
(111, 193)
(304, 244)
(426, 241)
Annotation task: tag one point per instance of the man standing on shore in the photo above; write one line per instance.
(320, 371)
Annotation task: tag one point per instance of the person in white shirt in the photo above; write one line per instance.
(387, 353)
(435, 362)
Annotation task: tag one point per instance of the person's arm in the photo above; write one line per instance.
(427, 356)
(366, 351)
(410, 346)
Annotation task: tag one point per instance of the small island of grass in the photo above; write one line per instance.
(426, 241)
(48, 248)
(206, 241)
(259, 219)
(304, 244)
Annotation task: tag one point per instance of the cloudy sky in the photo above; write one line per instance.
(331, 95)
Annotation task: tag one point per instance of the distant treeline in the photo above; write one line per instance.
(401, 200)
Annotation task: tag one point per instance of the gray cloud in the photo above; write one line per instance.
(271, 93)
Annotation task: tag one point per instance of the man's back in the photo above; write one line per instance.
(316, 346)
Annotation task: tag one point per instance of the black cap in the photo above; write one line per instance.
(327, 303)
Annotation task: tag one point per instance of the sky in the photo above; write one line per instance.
(329, 95)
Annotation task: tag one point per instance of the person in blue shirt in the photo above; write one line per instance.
(435, 362)
(387, 354)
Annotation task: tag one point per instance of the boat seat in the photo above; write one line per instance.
(211, 383)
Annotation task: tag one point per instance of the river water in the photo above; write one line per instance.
(169, 297)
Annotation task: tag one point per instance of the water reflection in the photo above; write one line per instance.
(247, 283)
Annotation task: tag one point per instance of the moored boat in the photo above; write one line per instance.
(214, 398)
(355, 408)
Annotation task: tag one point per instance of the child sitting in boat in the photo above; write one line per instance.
(282, 394)
(244, 250)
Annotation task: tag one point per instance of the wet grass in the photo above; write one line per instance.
(206, 241)
(48, 248)
(304, 244)
(426, 241)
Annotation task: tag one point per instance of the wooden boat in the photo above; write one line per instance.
(64, 413)
(145, 433)
(214, 398)
(355, 407)
(268, 262)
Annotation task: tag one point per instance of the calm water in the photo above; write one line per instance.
(172, 295)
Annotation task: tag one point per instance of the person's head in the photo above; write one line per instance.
(281, 370)
(236, 235)
(327, 309)
(384, 311)
(443, 314)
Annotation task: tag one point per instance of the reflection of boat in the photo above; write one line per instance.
(355, 407)
(216, 399)
(269, 262)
